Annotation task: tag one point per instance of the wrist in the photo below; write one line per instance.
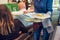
(49, 12)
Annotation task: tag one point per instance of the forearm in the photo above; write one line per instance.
(49, 5)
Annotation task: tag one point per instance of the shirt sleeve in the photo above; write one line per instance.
(49, 5)
(20, 25)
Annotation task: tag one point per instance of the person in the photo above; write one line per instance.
(9, 28)
(43, 6)
(12, 1)
(22, 7)
(31, 8)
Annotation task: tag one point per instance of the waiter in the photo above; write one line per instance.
(42, 6)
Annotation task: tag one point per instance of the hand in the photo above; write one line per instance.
(31, 9)
(49, 13)
(20, 32)
(25, 12)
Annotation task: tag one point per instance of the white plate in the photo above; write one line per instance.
(39, 16)
(42, 16)
(31, 15)
(28, 19)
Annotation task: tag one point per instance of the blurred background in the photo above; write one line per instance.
(13, 6)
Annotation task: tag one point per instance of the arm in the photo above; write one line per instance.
(49, 5)
(21, 27)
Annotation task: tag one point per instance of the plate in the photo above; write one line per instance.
(29, 19)
(31, 15)
(42, 16)
(38, 15)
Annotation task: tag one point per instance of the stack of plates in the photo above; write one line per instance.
(38, 15)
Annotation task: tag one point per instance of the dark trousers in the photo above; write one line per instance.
(38, 31)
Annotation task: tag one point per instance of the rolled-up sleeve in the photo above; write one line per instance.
(49, 5)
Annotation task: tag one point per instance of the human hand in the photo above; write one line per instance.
(31, 9)
(20, 32)
(49, 13)
(25, 12)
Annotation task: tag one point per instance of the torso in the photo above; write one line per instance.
(41, 5)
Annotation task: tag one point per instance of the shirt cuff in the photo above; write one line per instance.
(49, 12)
